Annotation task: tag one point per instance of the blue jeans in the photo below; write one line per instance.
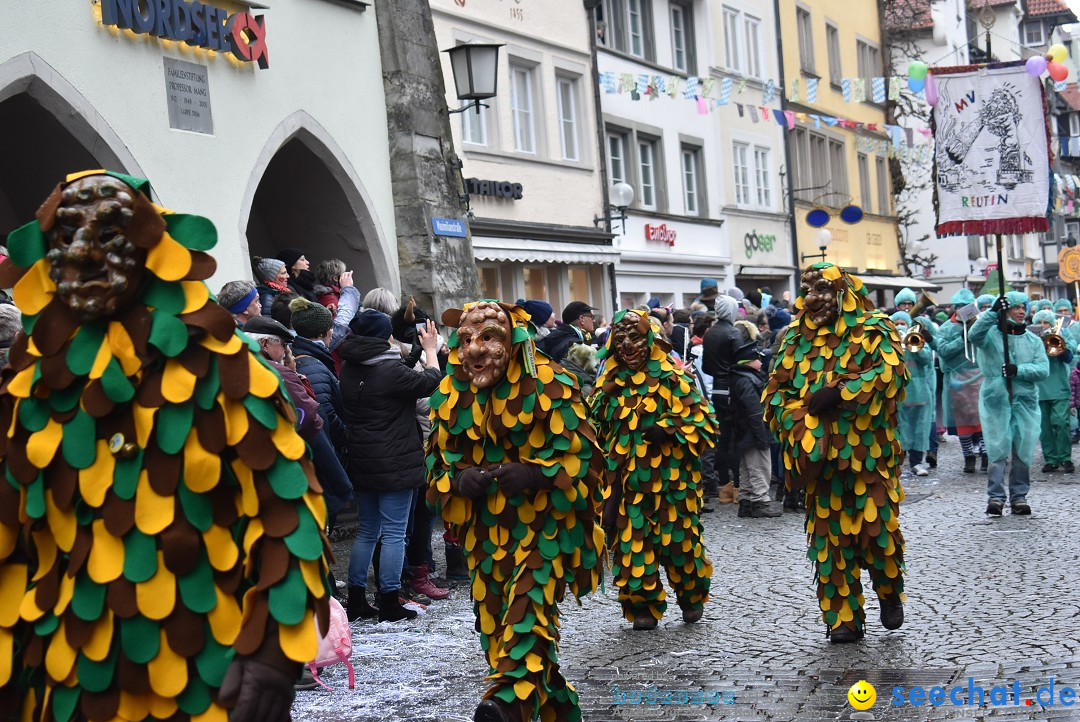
(383, 517)
(1019, 480)
(933, 436)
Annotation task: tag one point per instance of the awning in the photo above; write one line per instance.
(522, 250)
(781, 272)
(897, 282)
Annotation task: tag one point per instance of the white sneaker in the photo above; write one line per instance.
(922, 470)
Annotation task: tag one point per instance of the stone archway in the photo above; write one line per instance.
(47, 130)
(305, 194)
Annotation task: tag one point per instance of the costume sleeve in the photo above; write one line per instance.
(950, 342)
(977, 334)
(1039, 368)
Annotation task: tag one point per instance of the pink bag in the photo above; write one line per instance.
(335, 646)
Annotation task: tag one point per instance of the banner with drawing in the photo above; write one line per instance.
(992, 151)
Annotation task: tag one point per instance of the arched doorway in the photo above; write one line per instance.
(47, 130)
(307, 197)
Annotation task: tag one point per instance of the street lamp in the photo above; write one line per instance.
(824, 238)
(476, 72)
(621, 195)
(979, 266)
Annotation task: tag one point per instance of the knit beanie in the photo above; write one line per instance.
(267, 269)
(371, 323)
(779, 319)
(289, 256)
(310, 320)
(539, 311)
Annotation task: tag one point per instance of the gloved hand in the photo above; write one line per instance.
(515, 478)
(1001, 304)
(257, 691)
(655, 434)
(1066, 358)
(1008, 370)
(823, 400)
(472, 483)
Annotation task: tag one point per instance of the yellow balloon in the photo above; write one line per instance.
(1058, 52)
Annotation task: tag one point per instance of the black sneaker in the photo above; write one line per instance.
(1047, 468)
(764, 510)
(969, 464)
(1021, 508)
(931, 459)
(744, 509)
(1068, 467)
(995, 507)
(984, 463)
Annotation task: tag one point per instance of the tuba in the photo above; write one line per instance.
(915, 339)
(1055, 344)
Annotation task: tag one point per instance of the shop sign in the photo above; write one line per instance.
(758, 242)
(660, 233)
(194, 23)
(187, 95)
(495, 189)
(448, 227)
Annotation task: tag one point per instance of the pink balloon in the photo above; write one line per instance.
(1036, 65)
(1058, 71)
(931, 90)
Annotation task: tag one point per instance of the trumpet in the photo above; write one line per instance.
(915, 339)
(1055, 344)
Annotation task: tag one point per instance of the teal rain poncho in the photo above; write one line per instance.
(917, 407)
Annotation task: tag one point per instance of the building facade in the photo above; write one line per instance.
(531, 163)
(248, 129)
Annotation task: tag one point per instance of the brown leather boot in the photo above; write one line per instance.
(727, 493)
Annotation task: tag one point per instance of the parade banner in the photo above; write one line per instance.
(992, 150)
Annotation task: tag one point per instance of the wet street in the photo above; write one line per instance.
(992, 600)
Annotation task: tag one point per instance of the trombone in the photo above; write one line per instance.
(1055, 344)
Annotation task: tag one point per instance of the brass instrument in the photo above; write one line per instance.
(1055, 344)
(915, 338)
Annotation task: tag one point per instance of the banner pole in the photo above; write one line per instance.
(1003, 318)
(1076, 286)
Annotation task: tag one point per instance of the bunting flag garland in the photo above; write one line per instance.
(845, 88)
(859, 90)
(793, 96)
(768, 95)
(894, 88)
(811, 90)
(879, 90)
(725, 91)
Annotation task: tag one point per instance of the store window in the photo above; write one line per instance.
(568, 117)
(741, 165)
(580, 287)
(522, 80)
(535, 282)
(489, 282)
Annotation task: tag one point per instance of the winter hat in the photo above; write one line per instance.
(289, 256)
(736, 294)
(653, 302)
(372, 323)
(963, 297)
(575, 310)
(267, 269)
(1063, 304)
(779, 319)
(707, 283)
(985, 300)
(310, 320)
(941, 317)
(540, 311)
(754, 297)
(1016, 298)
(1045, 316)
(904, 295)
(748, 352)
(268, 327)
(901, 316)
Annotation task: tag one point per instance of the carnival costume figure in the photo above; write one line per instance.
(653, 426)
(514, 469)
(961, 381)
(161, 546)
(832, 400)
(915, 412)
(1012, 417)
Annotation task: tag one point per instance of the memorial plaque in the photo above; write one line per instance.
(187, 94)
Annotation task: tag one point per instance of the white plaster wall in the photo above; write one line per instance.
(324, 62)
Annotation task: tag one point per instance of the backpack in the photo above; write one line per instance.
(335, 646)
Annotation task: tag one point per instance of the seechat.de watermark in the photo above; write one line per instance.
(862, 695)
(652, 695)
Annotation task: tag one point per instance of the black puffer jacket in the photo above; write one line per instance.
(379, 395)
(720, 343)
(559, 341)
(746, 387)
(316, 363)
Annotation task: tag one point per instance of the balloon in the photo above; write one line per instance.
(1058, 71)
(917, 70)
(1036, 65)
(916, 85)
(931, 90)
(1058, 52)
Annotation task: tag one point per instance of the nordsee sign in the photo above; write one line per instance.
(194, 23)
(448, 227)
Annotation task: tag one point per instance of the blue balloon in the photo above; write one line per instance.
(818, 218)
(916, 86)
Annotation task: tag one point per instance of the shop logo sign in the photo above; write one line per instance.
(755, 242)
(495, 189)
(660, 233)
(195, 23)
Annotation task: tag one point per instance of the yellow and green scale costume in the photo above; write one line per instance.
(658, 521)
(850, 464)
(158, 512)
(525, 551)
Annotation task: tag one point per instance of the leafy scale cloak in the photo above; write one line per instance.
(661, 492)
(129, 580)
(523, 551)
(852, 462)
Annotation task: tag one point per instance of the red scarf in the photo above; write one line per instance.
(279, 287)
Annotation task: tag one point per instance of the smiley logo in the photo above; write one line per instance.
(862, 695)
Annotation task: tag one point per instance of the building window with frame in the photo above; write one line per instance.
(691, 172)
(616, 145)
(837, 166)
(884, 206)
(975, 247)
(762, 184)
(1074, 124)
(753, 46)
(806, 40)
(864, 183)
(679, 59)
(627, 26)
(832, 42)
(731, 39)
(568, 125)
(521, 106)
(741, 165)
(869, 61)
(1034, 35)
(474, 127)
(648, 157)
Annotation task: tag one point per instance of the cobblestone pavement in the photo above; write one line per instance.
(994, 600)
